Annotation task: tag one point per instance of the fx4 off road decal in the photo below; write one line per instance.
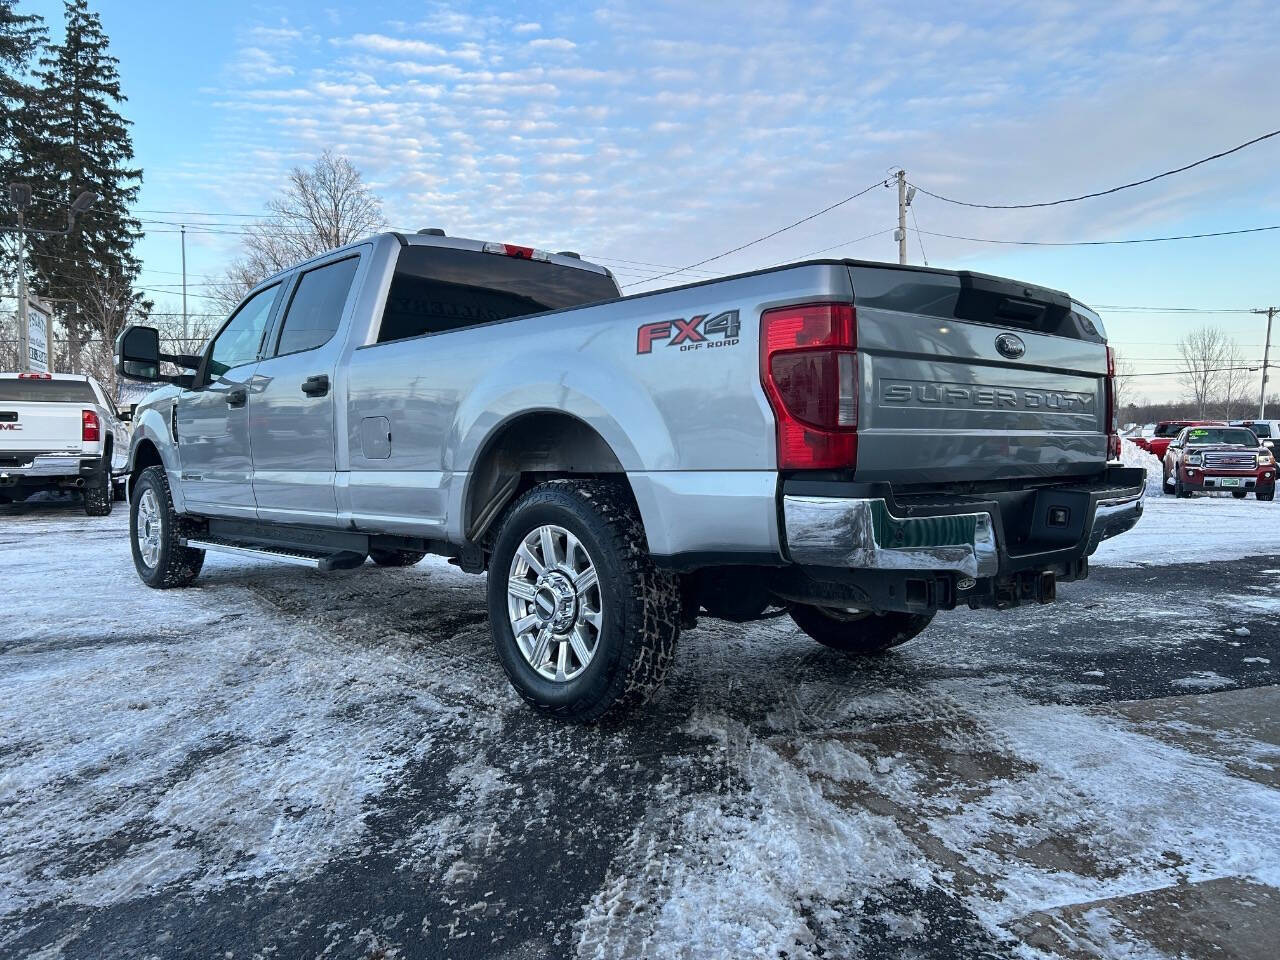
(692, 334)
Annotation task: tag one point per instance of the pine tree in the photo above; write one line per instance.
(21, 36)
(83, 144)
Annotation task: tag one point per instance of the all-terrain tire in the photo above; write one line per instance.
(858, 634)
(395, 558)
(1180, 491)
(640, 603)
(176, 565)
(1266, 497)
(98, 495)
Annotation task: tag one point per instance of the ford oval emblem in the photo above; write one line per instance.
(1010, 345)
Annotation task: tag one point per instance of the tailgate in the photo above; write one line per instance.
(40, 427)
(965, 377)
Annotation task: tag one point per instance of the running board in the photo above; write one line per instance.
(324, 562)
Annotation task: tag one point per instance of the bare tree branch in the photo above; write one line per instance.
(325, 206)
(1204, 353)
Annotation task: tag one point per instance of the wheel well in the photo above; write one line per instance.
(146, 455)
(525, 451)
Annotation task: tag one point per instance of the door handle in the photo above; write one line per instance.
(316, 386)
(237, 396)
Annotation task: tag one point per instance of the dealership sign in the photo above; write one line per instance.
(37, 337)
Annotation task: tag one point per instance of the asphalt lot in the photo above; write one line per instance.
(276, 763)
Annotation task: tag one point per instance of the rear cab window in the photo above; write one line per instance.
(316, 307)
(46, 391)
(438, 289)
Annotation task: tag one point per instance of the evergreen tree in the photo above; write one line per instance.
(20, 37)
(83, 143)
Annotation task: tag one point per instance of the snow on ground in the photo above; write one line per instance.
(276, 762)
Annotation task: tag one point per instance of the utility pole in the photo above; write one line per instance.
(184, 286)
(1266, 358)
(901, 233)
(20, 198)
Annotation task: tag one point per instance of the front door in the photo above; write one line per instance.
(213, 416)
(291, 416)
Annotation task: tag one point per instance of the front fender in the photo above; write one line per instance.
(152, 426)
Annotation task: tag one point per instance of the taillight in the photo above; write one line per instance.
(90, 427)
(809, 368)
(1113, 434)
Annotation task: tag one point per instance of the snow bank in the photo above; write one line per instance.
(1131, 455)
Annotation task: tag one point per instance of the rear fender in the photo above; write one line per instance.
(605, 398)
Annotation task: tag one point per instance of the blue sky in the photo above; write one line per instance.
(661, 133)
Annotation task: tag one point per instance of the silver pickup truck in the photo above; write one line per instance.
(858, 444)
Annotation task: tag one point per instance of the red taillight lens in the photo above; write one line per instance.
(1113, 435)
(808, 365)
(90, 427)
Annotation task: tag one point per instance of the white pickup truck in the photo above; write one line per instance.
(61, 432)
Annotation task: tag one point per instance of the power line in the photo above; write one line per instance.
(768, 236)
(1101, 243)
(1098, 193)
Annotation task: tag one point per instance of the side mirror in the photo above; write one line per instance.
(126, 415)
(1268, 444)
(138, 357)
(138, 354)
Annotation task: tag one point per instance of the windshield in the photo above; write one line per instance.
(46, 391)
(1260, 429)
(1236, 436)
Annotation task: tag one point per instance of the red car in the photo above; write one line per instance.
(1219, 458)
(1167, 431)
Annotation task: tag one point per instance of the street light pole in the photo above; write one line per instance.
(184, 286)
(20, 198)
(24, 348)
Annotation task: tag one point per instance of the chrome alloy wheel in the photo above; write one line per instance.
(149, 528)
(553, 600)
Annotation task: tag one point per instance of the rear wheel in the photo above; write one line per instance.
(1168, 484)
(395, 558)
(98, 495)
(582, 619)
(155, 533)
(119, 491)
(858, 632)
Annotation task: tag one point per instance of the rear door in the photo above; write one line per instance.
(213, 418)
(966, 377)
(291, 416)
(42, 415)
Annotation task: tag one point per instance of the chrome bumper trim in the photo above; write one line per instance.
(845, 532)
(1113, 517)
(46, 466)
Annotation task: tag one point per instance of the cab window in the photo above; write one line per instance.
(240, 339)
(315, 309)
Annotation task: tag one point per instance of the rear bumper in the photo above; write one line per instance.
(974, 536)
(42, 470)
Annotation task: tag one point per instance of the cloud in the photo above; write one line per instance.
(551, 43)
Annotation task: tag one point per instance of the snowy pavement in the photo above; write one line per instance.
(277, 763)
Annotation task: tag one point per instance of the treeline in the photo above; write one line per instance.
(1142, 413)
(61, 132)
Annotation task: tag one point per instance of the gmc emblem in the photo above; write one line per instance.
(10, 426)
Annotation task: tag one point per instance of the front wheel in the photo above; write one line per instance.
(155, 533)
(858, 632)
(1266, 496)
(583, 621)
